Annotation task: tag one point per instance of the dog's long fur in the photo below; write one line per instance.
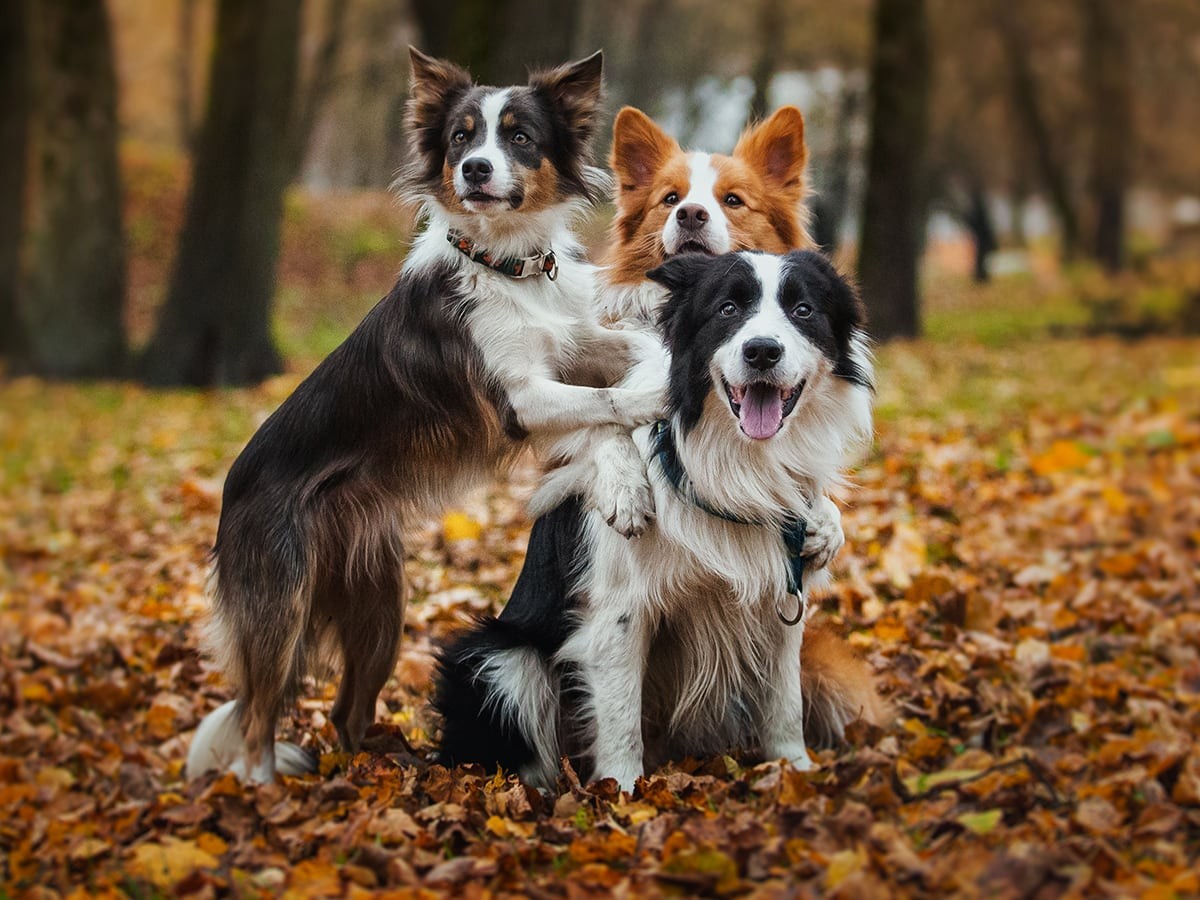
(434, 389)
(624, 654)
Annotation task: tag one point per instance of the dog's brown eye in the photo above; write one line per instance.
(802, 311)
(733, 200)
(671, 199)
(520, 138)
(459, 137)
(728, 309)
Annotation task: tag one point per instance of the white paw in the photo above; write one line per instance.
(823, 535)
(621, 492)
(796, 753)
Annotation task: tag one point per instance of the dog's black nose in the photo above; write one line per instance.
(477, 170)
(762, 353)
(691, 216)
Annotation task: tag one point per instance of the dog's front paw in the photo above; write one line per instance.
(621, 492)
(636, 407)
(628, 506)
(823, 535)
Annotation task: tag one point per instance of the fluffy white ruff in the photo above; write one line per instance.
(218, 746)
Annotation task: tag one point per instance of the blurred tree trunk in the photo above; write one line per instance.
(833, 196)
(893, 208)
(978, 220)
(215, 327)
(14, 146)
(769, 36)
(1023, 89)
(184, 66)
(498, 40)
(1106, 62)
(320, 82)
(72, 308)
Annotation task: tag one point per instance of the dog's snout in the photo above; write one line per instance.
(762, 353)
(691, 216)
(477, 170)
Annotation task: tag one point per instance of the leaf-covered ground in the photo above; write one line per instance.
(1024, 546)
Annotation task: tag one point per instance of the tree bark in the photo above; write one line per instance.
(829, 205)
(1023, 90)
(770, 31)
(185, 118)
(499, 40)
(215, 328)
(14, 147)
(72, 308)
(1106, 61)
(320, 82)
(893, 207)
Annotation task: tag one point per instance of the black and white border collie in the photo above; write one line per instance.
(463, 360)
(625, 654)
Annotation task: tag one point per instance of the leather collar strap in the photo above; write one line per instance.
(792, 530)
(512, 266)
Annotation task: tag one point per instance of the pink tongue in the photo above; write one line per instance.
(762, 411)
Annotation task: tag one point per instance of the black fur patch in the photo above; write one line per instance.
(537, 617)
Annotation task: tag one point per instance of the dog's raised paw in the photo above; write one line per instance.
(621, 492)
(823, 535)
(631, 509)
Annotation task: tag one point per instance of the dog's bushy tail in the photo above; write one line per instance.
(838, 687)
(219, 745)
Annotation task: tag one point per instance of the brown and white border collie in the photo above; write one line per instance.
(465, 358)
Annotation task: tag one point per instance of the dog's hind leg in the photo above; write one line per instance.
(261, 646)
(369, 627)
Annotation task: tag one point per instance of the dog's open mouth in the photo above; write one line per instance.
(761, 408)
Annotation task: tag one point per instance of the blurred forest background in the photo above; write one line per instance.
(195, 190)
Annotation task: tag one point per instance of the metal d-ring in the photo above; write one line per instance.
(799, 611)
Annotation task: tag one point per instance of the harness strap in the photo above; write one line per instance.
(791, 530)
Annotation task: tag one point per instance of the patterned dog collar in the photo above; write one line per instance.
(512, 266)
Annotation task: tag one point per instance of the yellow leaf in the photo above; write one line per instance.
(508, 828)
(458, 526)
(980, 822)
(54, 778)
(211, 843)
(917, 784)
(843, 864)
(1063, 456)
(165, 865)
(706, 862)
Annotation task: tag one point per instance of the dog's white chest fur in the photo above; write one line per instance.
(531, 323)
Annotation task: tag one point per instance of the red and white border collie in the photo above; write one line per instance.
(626, 654)
(464, 359)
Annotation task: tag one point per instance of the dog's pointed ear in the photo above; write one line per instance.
(776, 148)
(574, 90)
(435, 85)
(639, 149)
(435, 82)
